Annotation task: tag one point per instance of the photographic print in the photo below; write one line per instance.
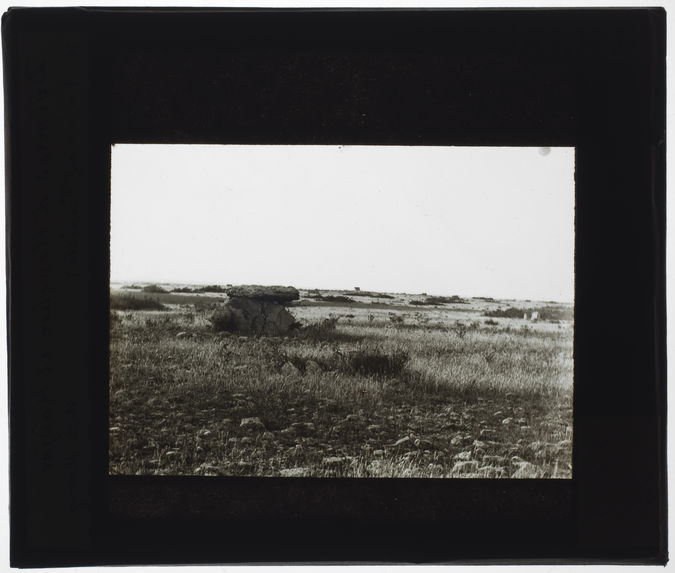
(341, 311)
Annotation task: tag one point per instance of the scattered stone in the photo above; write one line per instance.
(378, 453)
(521, 421)
(268, 436)
(463, 456)
(114, 429)
(507, 421)
(203, 433)
(498, 414)
(252, 424)
(182, 334)
(233, 441)
(374, 428)
(479, 445)
(290, 431)
(294, 472)
(246, 440)
(171, 454)
(402, 442)
(487, 433)
(457, 440)
(226, 421)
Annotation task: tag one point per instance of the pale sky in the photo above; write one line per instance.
(471, 221)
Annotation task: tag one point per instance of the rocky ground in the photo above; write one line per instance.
(353, 395)
(240, 434)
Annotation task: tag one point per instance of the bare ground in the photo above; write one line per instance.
(361, 394)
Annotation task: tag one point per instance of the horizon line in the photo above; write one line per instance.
(365, 290)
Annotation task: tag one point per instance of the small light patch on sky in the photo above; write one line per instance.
(471, 221)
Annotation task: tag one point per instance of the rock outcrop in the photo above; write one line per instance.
(278, 294)
(256, 310)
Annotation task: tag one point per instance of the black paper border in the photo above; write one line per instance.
(77, 80)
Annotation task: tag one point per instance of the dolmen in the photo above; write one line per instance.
(256, 310)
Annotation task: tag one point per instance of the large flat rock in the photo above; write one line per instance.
(279, 294)
(257, 317)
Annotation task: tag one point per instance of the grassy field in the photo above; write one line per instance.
(374, 387)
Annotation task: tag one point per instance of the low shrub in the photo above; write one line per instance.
(422, 317)
(434, 300)
(183, 289)
(454, 299)
(396, 319)
(510, 312)
(362, 361)
(555, 313)
(319, 330)
(460, 329)
(154, 289)
(114, 319)
(331, 298)
(367, 293)
(211, 288)
(130, 302)
(491, 322)
(549, 313)
(376, 362)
